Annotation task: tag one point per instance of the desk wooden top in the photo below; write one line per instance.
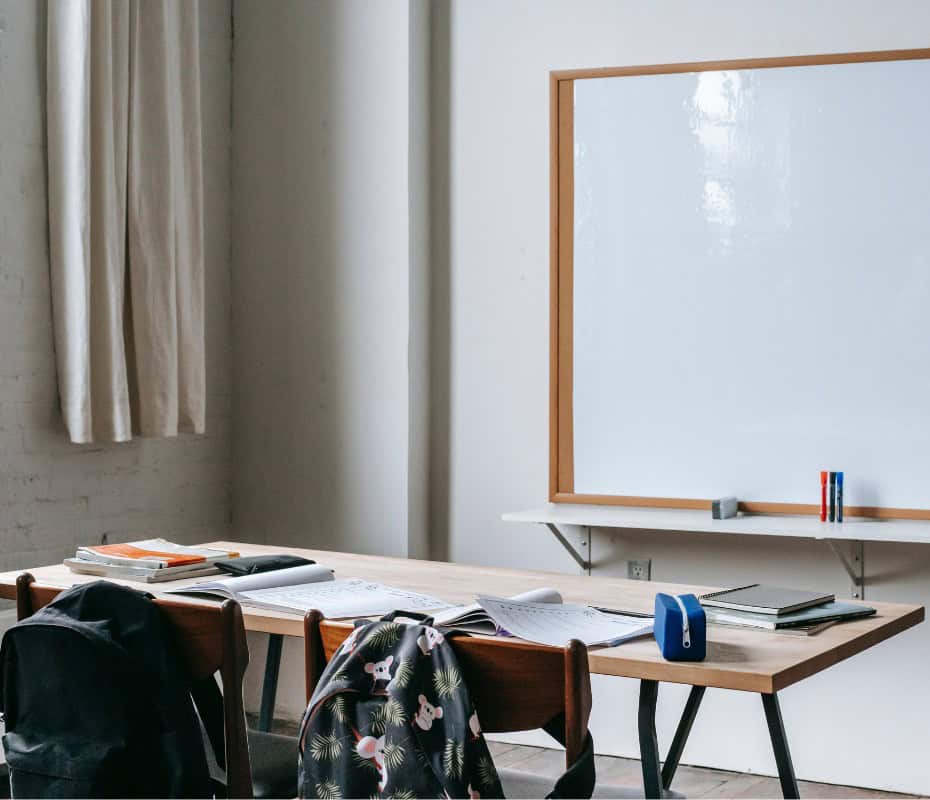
(737, 658)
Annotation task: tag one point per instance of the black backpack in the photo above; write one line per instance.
(391, 716)
(96, 701)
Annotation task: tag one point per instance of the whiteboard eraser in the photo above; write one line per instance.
(724, 508)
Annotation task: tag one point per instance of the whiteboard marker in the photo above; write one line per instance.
(839, 496)
(823, 495)
(832, 496)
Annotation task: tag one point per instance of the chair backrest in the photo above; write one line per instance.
(515, 685)
(210, 639)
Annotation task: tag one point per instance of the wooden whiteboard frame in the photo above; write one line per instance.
(561, 301)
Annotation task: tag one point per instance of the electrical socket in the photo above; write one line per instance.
(639, 569)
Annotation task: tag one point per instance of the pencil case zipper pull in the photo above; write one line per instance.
(685, 627)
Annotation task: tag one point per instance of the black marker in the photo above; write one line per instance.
(839, 496)
(832, 496)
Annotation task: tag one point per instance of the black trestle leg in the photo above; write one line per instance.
(648, 742)
(270, 682)
(681, 734)
(789, 784)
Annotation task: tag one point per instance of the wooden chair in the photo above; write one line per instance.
(515, 685)
(211, 639)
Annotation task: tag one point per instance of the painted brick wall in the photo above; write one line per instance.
(55, 495)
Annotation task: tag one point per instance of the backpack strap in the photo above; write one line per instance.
(209, 703)
(423, 619)
(578, 779)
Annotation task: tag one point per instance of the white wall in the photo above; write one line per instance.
(55, 495)
(863, 722)
(328, 294)
(328, 274)
(330, 283)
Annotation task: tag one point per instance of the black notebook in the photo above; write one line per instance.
(761, 599)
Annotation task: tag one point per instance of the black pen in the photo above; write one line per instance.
(639, 614)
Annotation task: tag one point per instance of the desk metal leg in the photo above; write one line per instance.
(656, 777)
(648, 742)
(681, 734)
(270, 682)
(789, 784)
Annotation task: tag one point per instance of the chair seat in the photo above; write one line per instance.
(274, 765)
(517, 783)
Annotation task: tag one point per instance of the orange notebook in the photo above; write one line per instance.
(152, 553)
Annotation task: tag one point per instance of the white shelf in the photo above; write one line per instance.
(687, 521)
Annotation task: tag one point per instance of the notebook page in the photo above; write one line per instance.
(555, 624)
(352, 597)
(464, 615)
(234, 586)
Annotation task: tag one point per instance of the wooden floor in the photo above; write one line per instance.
(689, 781)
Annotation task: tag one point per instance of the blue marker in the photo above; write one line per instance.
(839, 496)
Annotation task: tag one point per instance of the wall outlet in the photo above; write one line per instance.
(639, 569)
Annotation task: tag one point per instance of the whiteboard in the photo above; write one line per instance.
(751, 298)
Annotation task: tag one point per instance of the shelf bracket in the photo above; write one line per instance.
(582, 560)
(854, 565)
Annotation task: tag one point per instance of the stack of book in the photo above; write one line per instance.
(149, 561)
(783, 610)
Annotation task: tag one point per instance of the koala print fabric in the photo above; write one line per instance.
(391, 717)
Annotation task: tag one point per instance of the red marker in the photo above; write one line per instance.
(823, 496)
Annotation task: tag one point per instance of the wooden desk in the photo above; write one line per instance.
(737, 659)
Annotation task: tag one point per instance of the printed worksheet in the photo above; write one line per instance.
(352, 597)
(556, 623)
(474, 619)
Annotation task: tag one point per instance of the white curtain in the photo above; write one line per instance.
(126, 216)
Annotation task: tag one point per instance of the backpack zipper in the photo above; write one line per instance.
(685, 627)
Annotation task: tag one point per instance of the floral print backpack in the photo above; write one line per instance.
(391, 717)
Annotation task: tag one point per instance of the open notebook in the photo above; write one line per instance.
(541, 616)
(235, 588)
(556, 624)
(475, 619)
(538, 616)
(311, 586)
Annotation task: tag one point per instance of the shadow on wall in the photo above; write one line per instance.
(289, 218)
(440, 279)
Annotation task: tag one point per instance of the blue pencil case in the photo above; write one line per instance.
(680, 627)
